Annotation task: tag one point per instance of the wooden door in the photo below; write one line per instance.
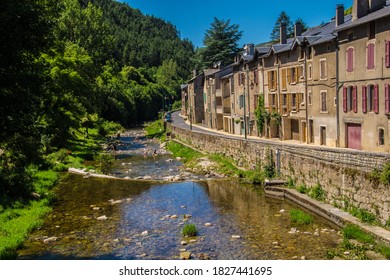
(354, 136)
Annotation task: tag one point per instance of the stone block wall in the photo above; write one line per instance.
(342, 173)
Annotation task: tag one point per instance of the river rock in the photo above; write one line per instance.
(275, 243)
(203, 256)
(236, 237)
(50, 239)
(102, 218)
(183, 243)
(208, 224)
(145, 233)
(96, 208)
(174, 217)
(185, 255)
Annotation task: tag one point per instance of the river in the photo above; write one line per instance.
(97, 218)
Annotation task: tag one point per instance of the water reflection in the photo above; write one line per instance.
(145, 221)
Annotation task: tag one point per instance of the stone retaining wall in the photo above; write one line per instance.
(341, 173)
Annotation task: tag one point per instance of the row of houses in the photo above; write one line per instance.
(329, 85)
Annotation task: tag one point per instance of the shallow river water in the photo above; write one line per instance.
(95, 218)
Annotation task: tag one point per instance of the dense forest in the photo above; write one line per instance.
(73, 65)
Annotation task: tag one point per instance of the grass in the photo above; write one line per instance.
(19, 216)
(18, 220)
(355, 232)
(156, 129)
(188, 155)
(189, 230)
(363, 215)
(299, 217)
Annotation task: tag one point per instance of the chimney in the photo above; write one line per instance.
(283, 33)
(376, 5)
(339, 14)
(194, 73)
(298, 29)
(360, 9)
(249, 49)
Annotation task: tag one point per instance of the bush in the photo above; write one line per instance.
(385, 175)
(317, 192)
(299, 217)
(104, 162)
(302, 189)
(109, 128)
(189, 230)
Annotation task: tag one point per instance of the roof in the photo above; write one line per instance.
(381, 13)
(209, 72)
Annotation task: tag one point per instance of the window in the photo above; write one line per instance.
(371, 56)
(350, 59)
(310, 97)
(293, 75)
(323, 101)
(350, 99)
(323, 70)
(381, 136)
(255, 77)
(310, 72)
(370, 99)
(241, 78)
(272, 77)
(241, 101)
(387, 54)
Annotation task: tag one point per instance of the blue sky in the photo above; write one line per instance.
(255, 18)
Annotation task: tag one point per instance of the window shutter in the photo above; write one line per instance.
(298, 101)
(269, 80)
(345, 109)
(376, 99)
(364, 99)
(274, 80)
(284, 77)
(387, 98)
(297, 74)
(387, 55)
(255, 77)
(289, 76)
(354, 99)
(350, 54)
(370, 56)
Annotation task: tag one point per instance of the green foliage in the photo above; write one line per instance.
(156, 129)
(385, 251)
(317, 192)
(363, 215)
(299, 217)
(385, 174)
(189, 230)
(262, 115)
(283, 18)
(302, 189)
(104, 161)
(16, 223)
(269, 166)
(221, 43)
(355, 232)
(187, 154)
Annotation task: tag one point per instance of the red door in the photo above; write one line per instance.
(354, 136)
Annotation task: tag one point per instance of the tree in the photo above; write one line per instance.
(303, 24)
(283, 18)
(25, 31)
(221, 43)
